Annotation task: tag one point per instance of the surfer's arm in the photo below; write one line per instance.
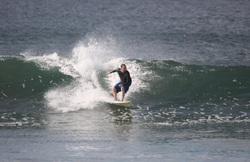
(112, 71)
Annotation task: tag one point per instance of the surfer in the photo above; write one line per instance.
(125, 82)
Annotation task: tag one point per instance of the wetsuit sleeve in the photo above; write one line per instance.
(116, 70)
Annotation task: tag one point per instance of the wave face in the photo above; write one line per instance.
(168, 92)
(199, 93)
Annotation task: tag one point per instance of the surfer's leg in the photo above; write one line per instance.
(123, 93)
(116, 89)
(114, 93)
(124, 90)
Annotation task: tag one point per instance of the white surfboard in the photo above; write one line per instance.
(122, 103)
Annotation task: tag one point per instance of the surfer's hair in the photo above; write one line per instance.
(122, 65)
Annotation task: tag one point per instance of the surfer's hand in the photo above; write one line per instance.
(120, 85)
(108, 73)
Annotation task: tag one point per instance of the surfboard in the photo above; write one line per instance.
(122, 103)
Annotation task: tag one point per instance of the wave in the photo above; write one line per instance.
(83, 75)
(173, 92)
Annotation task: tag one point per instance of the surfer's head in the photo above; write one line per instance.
(123, 68)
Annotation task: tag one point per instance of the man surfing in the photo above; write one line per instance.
(124, 84)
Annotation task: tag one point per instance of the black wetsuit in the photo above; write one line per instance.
(125, 77)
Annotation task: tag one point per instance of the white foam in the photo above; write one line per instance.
(50, 61)
(86, 91)
(75, 96)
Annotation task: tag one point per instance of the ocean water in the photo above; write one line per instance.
(189, 62)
